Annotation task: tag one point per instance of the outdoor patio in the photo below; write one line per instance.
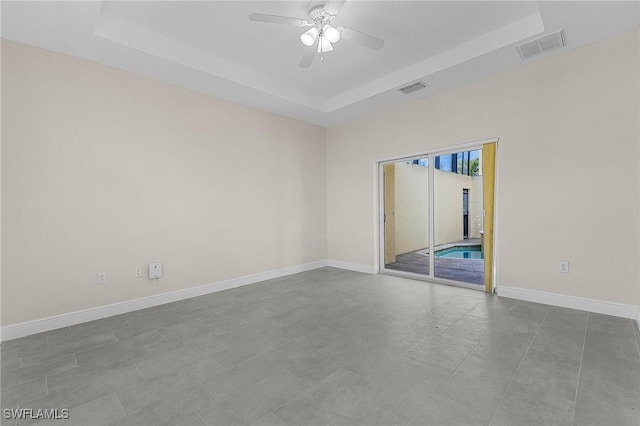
(470, 271)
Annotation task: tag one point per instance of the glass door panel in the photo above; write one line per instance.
(406, 216)
(458, 213)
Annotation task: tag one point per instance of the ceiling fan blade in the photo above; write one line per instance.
(307, 58)
(277, 19)
(361, 38)
(333, 6)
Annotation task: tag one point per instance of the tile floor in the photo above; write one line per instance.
(333, 347)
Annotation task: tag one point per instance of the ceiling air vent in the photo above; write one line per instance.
(542, 44)
(413, 87)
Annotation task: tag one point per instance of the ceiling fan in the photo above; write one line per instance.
(321, 33)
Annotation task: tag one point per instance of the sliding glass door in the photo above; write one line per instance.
(433, 217)
(406, 216)
(458, 217)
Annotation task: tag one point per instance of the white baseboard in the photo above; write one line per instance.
(573, 302)
(65, 320)
(356, 267)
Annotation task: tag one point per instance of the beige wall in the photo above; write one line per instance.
(412, 206)
(567, 183)
(103, 170)
(448, 204)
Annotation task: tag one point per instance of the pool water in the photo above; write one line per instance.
(468, 252)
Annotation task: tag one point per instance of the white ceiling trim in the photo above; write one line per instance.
(141, 39)
(155, 44)
(172, 44)
(509, 34)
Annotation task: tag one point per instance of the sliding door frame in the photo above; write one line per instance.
(431, 154)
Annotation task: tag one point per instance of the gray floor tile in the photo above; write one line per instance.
(365, 414)
(307, 325)
(117, 355)
(617, 345)
(98, 412)
(442, 411)
(240, 345)
(565, 341)
(515, 327)
(27, 374)
(134, 337)
(104, 325)
(330, 345)
(609, 324)
(270, 420)
(308, 344)
(501, 349)
(478, 383)
(72, 377)
(252, 403)
(68, 345)
(324, 402)
(529, 402)
(376, 363)
(22, 393)
(179, 404)
(80, 392)
(597, 405)
(168, 362)
(177, 307)
(193, 421)
(471, 328)
(206, 315)
(163, 386)
(615, 372)
(79, 340)
(153, 320)
(28, 344)
(300, 313)
(566, 319)
(445, 352)
(438, 319)
(192, 328)
(319, 365)
(246, 373)
(201, 345)
(10, 362)
(528, 310)
(406, 391)
(548, 364)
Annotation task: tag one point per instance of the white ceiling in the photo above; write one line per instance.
(212, 46)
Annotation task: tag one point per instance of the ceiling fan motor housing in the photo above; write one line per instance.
(318, 15)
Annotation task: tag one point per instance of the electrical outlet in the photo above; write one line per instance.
(137, 272)
(102, 277)
(564, 267)
(155, 270)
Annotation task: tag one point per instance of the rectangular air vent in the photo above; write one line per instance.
(413, 87)
(543, 44)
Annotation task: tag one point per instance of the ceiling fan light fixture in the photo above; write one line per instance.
(309, 37)
(324, 45)
(331, 33)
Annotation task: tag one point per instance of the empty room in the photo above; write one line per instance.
(320, 213)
